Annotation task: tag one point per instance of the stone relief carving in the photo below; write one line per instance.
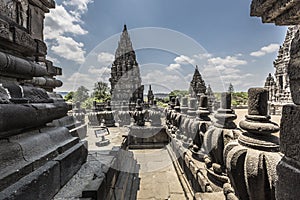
(15, 10)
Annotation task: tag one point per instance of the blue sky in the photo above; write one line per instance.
(171, 37)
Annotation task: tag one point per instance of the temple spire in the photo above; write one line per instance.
(197, 85)
(124, 45)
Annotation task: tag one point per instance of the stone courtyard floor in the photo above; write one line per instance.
(158, 178)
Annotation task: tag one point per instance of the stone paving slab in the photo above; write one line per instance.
(158, 178)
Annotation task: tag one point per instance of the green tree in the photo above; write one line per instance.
(101, 92)
(69, 96)
(179, 93)
(81, 94)
(88, 103)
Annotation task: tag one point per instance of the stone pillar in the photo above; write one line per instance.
(184, 105)
(216, 138)
(251, 161)
(200, 126)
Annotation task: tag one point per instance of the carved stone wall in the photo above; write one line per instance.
(38, 153)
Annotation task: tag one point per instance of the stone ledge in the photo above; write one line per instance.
(43, 183)
(25, 153)
(40, 114)
(71, 161)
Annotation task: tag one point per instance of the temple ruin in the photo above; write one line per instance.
(183, 151)
(279, 87)
(125, 74)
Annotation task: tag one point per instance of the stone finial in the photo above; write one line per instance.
(225, 115)
(226, 100)
(192, 107)
(203, 112)
(172, 102)
(257, 121)
(184, 105)
(177, 104)
(203, 103)
(256, 152)
(258, 101)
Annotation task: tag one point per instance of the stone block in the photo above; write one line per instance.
(288, 183)
(71, 161)
(96, 189)
(41, 48)
(289, 131)
(24, 41)
(29, 116)
(13, 165)
(43, 183)
(4, 30)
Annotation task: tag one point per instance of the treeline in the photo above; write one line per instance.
(99, 94)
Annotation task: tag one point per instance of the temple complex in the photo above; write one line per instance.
(125, 74)
(279, 87)
(182, 151)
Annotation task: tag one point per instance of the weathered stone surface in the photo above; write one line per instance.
(71, 161)
(192, 107)
(35, 95)
(226, 100)
(294, 69)
(257, 101)
(4, 95)
(251, 163)
(280, 13)
(43, 183)
(39, 113)
(20, 68)
(289, 131)
(288, 179)
(24, 41)
(96, 189)
(13, 165)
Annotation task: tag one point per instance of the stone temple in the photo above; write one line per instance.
(279, 87)
(125, 73)
(179, 152)
(197, 85)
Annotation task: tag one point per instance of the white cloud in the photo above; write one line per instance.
(62, 25)
(175, 66)
(69, 49)
(228, 61)
(102, 71)
(59, 21)
(220, 71)
(79, 5)
(105, 58)
(265, 50)
(184, 60)
(169, 80)
(181, 60)
(203, 56)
